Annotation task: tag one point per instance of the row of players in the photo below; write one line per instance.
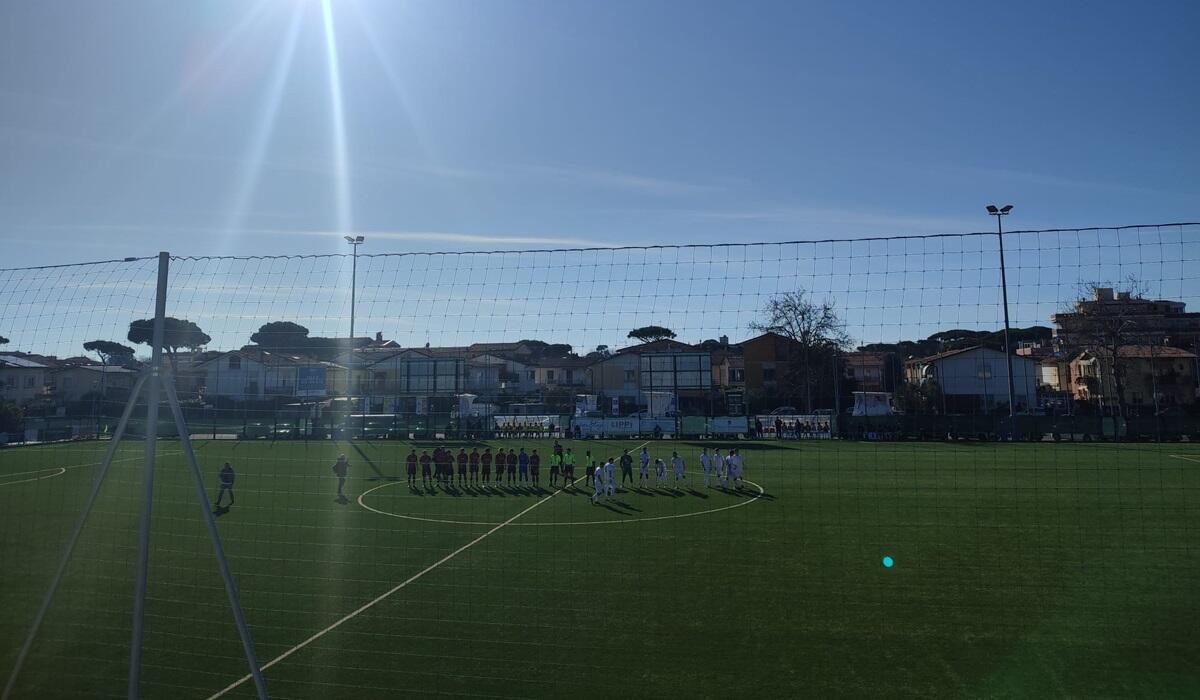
(475, 468)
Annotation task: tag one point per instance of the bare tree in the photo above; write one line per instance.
(1108, 327)
(818, 333)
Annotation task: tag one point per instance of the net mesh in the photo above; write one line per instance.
(898, 510)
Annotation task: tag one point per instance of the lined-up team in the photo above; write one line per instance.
(441, 466)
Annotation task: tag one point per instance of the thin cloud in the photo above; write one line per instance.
(457, 238)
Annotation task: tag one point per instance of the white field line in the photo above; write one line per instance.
(60, 471)
(1190, 459)
(761, 492)
(366, 606)
(63, 470)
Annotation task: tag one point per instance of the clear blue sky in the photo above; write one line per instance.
(211, 128)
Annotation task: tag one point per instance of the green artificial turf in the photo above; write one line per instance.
(1020, 569)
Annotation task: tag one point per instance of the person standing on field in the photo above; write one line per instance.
(512, 465)
(535, 468)
(610, 476)
(598, 484)
(626, 468)
(705, 465)
(485, 460)
(410, 467)
(463, 458)
(677, 463)
(589, 466)
(225, 483)
(474, 465)
(555, 468)
(341, 468)
(568, 468)
(426, 470)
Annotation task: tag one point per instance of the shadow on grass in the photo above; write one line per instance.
(379, 476)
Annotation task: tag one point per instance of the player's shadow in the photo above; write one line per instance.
(666, 491)
(342, 500)
(378, 474)
(220, 510)
(416, 491)
(626, 506)
(698, 494)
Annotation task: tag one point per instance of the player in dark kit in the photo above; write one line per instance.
(523, 465)
(535, 467)
(462, 467)
(511, 461)
(425, 469)
(473, 465)
(340, 469)
(410, 466)
(485, 460)
(226, 479)
(626, 468)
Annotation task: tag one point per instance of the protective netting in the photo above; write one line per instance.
(909, 510)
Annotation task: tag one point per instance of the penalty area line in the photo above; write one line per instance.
(366, 606)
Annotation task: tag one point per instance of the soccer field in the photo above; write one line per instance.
(1019, 569)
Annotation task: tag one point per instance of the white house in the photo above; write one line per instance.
(22, 379)
(975, 379)
(249, 374)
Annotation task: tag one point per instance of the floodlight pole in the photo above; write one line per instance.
(1012, 406)
(151, 440)
(355, 242)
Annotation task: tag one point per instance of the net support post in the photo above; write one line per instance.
(151, 440)
(210, 523)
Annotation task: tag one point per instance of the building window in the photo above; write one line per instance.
(235, 362)
(11, 382)
(549, 375)
(768, 374)
(530, 375)
(629, 376)
(737, 375)
(28, 382)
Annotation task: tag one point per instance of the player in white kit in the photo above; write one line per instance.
(718, 466)
(705, 465)
(677, 463)
(610, 477)
(735, 468)
(598, 485)
(660, 471)
(644, 471)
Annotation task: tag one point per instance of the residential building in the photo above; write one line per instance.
(1151, 376)
(1133, 319)
(729, 380)
(22, 379)
(975, 380)
(778, 372)
(251, 374)
(869, 371)
(632, 374)
(561, 372)
(74, 382)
